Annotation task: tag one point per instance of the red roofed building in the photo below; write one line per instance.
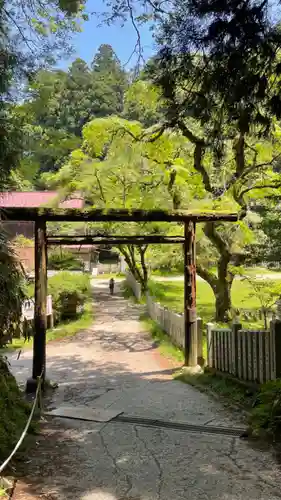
(32, 199)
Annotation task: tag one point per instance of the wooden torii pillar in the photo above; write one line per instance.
(190, 316)
(40, 318)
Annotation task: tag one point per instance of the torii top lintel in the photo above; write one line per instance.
(117, 215)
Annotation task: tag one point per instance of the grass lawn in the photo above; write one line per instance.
(170, 293)
(166, 273)
(253, 271)
(165, 346)
(66, 329)
(107, 276)
(250, 271)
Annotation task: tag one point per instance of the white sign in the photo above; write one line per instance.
(49, 308)
(28, 308)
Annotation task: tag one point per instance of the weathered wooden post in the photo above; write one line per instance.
(190, 344)
(210, 345)
(236, 349)
(40, 318)
(199, 329)
(277, 347)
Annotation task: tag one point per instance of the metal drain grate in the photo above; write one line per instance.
(207, 429)
(102, 415)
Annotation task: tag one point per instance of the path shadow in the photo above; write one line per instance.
(74, 460)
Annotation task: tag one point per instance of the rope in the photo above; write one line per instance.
(37, 394)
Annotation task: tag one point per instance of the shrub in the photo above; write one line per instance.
(21, 241)
(63, 259)
(266, 415)
(69, 291)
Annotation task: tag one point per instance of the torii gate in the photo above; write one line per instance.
(43, 215)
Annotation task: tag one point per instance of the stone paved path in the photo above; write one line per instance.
(115, 365)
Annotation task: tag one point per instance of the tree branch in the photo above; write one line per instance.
(254, 166)
(206, 275)
(154, 134)
(200, 145)
(157, 7)
(20, 30)
(239, 153)
(238, 197)
(217, 240)
(100, 188)
(262, 186)
(138, 47)
(199, 167)
(189, 134)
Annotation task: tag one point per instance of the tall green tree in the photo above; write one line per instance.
(59, 103)
(207, 49)
(269, 218)
(32, 33)
(110, 82)
(218, 70)
(67, 100)
(114, 170)
(143, 103)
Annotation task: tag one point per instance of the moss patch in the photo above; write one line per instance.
(230, 390)
(14, 411)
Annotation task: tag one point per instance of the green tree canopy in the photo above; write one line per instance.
(143, 103)
(32, 34)
(114, 169)
(218, 71)
(59, 103)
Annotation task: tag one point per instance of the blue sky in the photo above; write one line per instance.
(122, 39)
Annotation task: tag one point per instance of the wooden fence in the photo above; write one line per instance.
(246, 354)
(249, 355)
(169, 321)
(134, 285)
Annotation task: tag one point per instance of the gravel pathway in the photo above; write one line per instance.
(114, 365)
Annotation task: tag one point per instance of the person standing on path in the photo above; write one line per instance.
(111, 286)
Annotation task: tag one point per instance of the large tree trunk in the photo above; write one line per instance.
(223, 289)
(144, 278)
(223, 301)
(140, 273)
(222, 292)
(221, 284)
